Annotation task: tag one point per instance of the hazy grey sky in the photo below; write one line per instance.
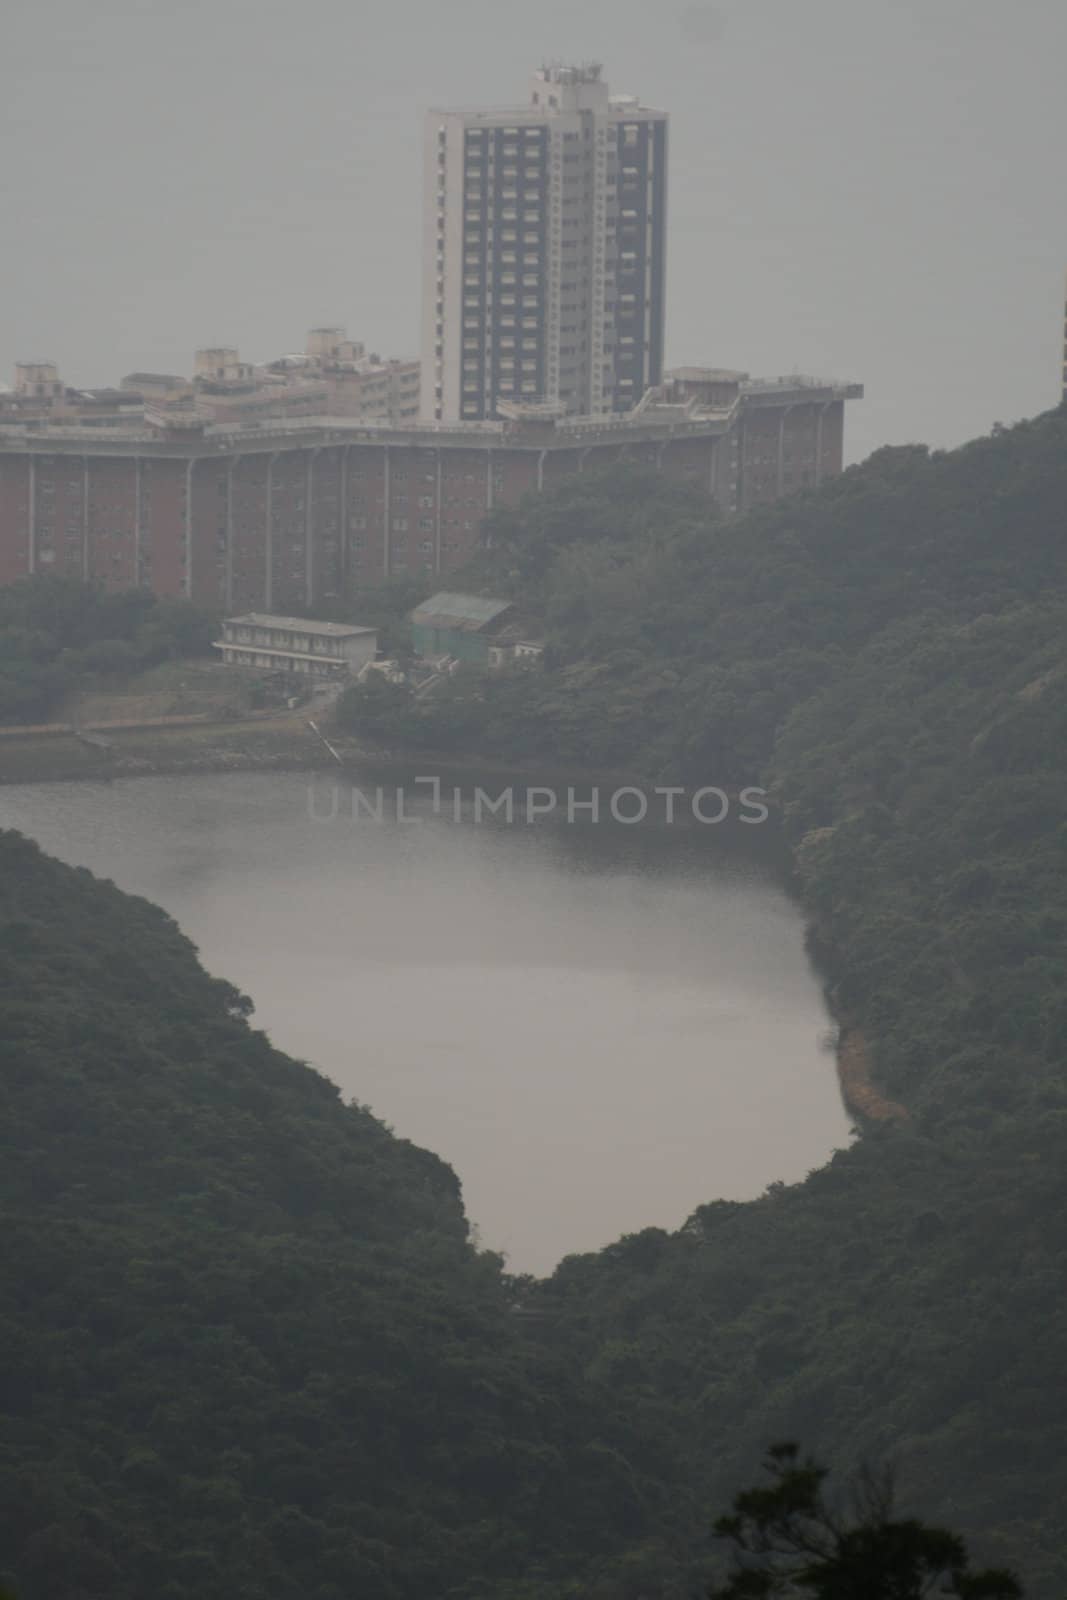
(868, 188)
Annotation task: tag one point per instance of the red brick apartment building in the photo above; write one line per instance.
(289, 514)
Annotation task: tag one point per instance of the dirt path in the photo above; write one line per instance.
(860, 1094)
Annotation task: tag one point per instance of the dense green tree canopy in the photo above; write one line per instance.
(58, 635)
(889, 656)
(248, 1346)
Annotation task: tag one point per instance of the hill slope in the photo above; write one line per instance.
(890, 656)
(249, 1347)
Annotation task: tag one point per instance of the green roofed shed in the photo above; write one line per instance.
(457, 625)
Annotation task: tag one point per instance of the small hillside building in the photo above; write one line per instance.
(460, 626)
(294, 644)
(512, 646)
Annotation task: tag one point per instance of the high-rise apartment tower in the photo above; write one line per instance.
(543, 271)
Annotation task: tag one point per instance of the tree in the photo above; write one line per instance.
(790, 1541)
(374, 708)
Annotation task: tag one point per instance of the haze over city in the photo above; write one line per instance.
(533, 1034)
(865, 192)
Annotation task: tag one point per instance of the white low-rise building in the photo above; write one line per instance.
(512, 647)
(293, 644)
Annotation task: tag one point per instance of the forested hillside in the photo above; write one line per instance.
(890, 656)
(678, 644)
(249, 1348)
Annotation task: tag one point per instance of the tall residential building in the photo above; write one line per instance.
(543, 271)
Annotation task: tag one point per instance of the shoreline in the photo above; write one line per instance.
(158, 751)
(194, 746)
(54, 754)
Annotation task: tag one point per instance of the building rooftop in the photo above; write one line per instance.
(327, 630)
(174, 431)
(120, 397)
(577, 72)
(467, 611)
(705, 375)
(171, 378)
(803, 380)
(516, 632)
(620, 105)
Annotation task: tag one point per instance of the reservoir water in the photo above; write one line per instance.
(599, 1026)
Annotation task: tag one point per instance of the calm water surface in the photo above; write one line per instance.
(600, 1027)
